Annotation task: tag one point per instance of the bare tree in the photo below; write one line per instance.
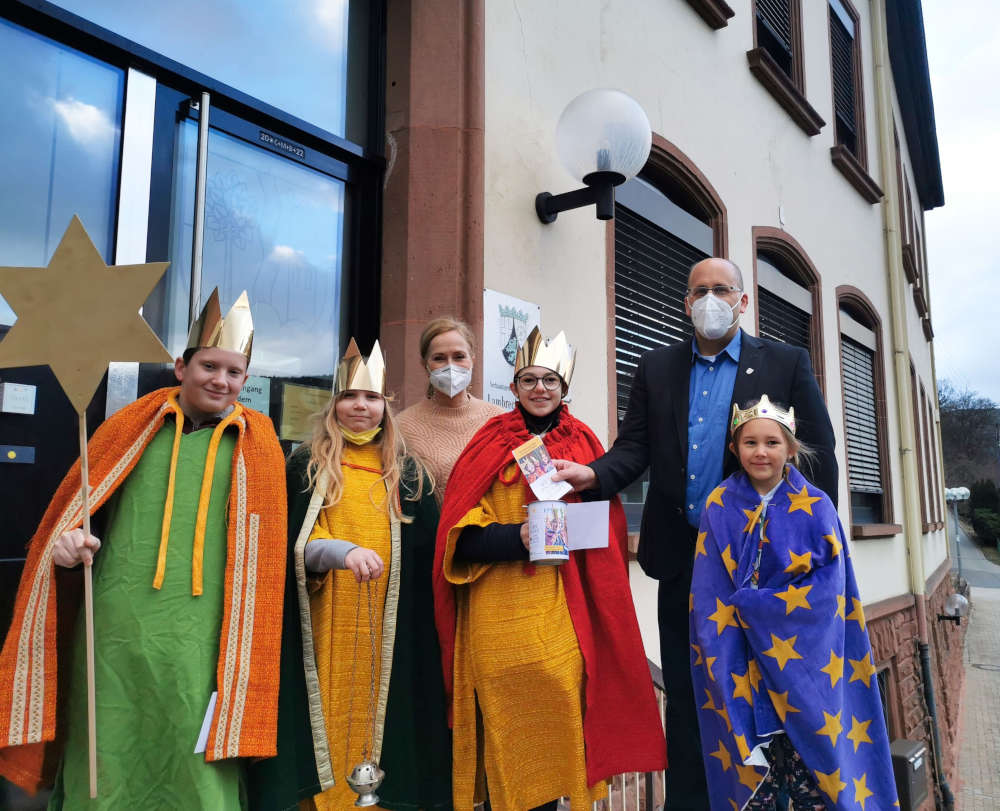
(970, 433)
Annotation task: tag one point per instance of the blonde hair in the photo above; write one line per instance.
(439, 326)
(326, 450)
(800, 454)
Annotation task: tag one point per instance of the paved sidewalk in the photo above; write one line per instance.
(976, 569)
(979, 755)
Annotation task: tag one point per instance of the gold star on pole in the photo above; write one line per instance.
(728, 562)
(723, 616)
(802, 501)
(857, 613)
(863, 670)
(723, 756)
(859, 732)
(798, 564)
(831, 727)
(699, 544)
(833, 541)
(781, 705)
(77, 315)
(741, 688)
(783, 650)
(830, 784)
(749, 776)
(794, 598)
(834, 669)
(861, 790)
(715, 497)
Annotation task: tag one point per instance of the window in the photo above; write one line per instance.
(849, 153)
(776, 59)
(936, 505)
(923, 465)
(788, 295)
(863, 380)
(666, 219)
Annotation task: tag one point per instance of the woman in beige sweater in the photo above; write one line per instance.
(437, 429)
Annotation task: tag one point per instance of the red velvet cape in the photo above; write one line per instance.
(622, 728)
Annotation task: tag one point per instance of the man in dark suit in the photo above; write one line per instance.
(677, 426)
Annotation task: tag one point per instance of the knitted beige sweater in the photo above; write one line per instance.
(438, 434)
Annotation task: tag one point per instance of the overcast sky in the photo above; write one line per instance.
(963, 237)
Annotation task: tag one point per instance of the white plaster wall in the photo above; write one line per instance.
(699, 94)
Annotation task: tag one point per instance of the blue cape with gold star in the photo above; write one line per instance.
(779, 644)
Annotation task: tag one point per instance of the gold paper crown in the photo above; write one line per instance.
(353, 372)
(555, 354)
(762, 409)
(233, 333)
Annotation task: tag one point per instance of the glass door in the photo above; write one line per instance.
(272, 222)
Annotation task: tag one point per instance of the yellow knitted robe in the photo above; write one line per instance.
(517, 656)
(341, 632)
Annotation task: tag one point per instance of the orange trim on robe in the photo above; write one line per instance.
(245, 719)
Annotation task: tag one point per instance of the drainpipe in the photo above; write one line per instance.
(912, 520)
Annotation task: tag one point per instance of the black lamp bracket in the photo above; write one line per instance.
(599, 191)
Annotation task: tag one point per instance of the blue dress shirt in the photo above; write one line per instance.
(712, 380)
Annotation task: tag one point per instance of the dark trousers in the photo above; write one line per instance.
(686, 789)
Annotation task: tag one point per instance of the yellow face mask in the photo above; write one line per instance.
(359, 437)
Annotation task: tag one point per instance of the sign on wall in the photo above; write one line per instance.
(506, 323)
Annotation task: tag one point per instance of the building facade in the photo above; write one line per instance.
(363, 167)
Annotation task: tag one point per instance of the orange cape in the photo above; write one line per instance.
(622, 727)
(245, 719)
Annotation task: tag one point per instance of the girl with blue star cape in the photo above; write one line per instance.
(780, 657)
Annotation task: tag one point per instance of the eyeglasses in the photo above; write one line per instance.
(528, 382)
(719, 291)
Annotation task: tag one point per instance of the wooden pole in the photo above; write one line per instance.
(88, 601)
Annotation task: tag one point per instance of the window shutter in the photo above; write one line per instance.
(782, 321)
(842, 51)
(651, 269)
(776, 16)
(864, 469)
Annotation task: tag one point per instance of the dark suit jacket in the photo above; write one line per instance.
(654, 434)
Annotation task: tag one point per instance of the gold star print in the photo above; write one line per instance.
(723, 616)
(720, 711)
(803, 501)
(752, 516)
(709, 661)
(727, 560)
(723, 756)
(78, 314)
(841, 602)
(699, 544)
(831, 727)
(754, 673)
(782, 650)
(830, 784)
(798, 564)
(863, 670)
(741, 745)
(834, 542)
(742, 687)
(857, 613)
(861, 790)
(715, 497)
(834, 669)
(781, 705)
(740, 619)
(734, 805)
(859, 732)
(690, 602)
(794, 598)
(749, 776)
(697, 650)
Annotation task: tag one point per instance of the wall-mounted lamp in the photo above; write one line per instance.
(603, 138)
(955, 607)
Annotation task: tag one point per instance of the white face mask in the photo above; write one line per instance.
(712, 317)
(451, 380)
